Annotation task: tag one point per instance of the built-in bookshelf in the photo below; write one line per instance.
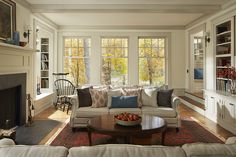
(224, 53)
(44, 70)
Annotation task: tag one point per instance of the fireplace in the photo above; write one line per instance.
(12, 100)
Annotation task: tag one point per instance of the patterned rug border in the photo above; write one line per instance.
(209, 130)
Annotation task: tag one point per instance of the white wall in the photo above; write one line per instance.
(210, 58)
(176, 52)
(24, 19)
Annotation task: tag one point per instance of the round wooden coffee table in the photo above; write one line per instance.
(106, 124)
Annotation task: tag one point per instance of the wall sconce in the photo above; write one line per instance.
(26, 34)
(207, 38)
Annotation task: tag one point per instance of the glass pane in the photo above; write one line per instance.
(147, 42)
(154, 42)
(67, 42)
(78, 70)
(151, 71)
(125, 42)
(104, 42)
(155, 52)
(161, 52)
(74, 43)
(114, 71)
(118, 42)
(67, 51)
(81, 42)
(141, 42)
(162, 42)
(118, 52)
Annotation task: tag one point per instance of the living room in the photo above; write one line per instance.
(170, 62)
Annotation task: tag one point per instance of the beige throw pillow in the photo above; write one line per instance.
(99, 97)
(133, 92)
(149, 97)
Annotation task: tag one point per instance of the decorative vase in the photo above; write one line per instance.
(16, 38)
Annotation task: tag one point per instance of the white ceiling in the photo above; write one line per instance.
(125, 12)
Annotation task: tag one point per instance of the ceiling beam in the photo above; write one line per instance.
(123, 8)
(125, 27)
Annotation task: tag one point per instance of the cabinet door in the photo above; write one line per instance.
(219, 109)
(229, 112)
(210, 111)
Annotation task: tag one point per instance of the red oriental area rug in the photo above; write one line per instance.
(190, 132)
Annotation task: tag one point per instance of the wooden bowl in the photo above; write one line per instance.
(127, 122)
(23, 43)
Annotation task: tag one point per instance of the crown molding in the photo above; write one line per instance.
(133, 27)
(123, 8)
(24, 3)
(46, 20)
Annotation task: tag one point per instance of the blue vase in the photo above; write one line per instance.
(16, 38)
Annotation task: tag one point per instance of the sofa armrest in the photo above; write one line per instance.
(231, 140)
(175, 101)
(6, 141)
(75, 104)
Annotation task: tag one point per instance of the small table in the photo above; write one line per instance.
(106, 124)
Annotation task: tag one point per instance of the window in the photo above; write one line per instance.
(114, 61)
(76, 59)
(152, 61)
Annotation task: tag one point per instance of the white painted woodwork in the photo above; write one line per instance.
(16, 59)
(221, 108)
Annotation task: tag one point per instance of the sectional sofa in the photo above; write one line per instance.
(8, 149)
(81, 115)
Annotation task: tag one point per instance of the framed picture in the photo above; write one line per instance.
(7, 19)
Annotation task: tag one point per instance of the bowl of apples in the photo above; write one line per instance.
(127, 119)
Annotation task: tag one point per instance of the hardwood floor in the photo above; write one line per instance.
(185, 112)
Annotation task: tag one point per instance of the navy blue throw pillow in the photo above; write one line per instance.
(124, 102)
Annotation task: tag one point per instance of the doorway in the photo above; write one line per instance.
(197, 61)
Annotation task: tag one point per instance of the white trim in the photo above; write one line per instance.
(131, 28)
(124, 8)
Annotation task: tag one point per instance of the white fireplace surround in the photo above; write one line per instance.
(16, 59)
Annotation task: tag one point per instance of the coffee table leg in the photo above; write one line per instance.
(90, 137)
(163, 134)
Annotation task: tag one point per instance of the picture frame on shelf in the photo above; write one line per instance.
(7, 19)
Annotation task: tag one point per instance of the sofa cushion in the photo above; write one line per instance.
(110, 93)
(33, 151)
(159, 111)
(149, 96)
(126, 151)
(84, 97)
(133, 92)
(121, 110)
(164, 98)
(212, 150)
(99, 97)
(91, 112)
(124, 102)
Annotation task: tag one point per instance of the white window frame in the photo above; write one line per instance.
(166, 56)
(127, 57)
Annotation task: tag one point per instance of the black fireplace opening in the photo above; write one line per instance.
(10, 110)
(12, 100)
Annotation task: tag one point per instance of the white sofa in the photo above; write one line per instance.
(81, 115)
(8, 149)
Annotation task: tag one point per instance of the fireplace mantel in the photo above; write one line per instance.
(15, 48)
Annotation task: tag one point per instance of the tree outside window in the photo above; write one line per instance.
(76, 59)
(152, 61)
(114, 61)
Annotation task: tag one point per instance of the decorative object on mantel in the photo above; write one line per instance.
(26, 34)
(7, 19)
(23, 43)
(16, 38)
(30, 110)
(38, 86)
